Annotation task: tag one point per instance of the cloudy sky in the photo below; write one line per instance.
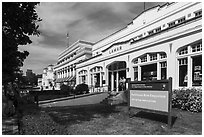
(85, 21)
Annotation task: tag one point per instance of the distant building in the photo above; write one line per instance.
(48, 78)
(30, 77)
(39, 76)
(65, 68)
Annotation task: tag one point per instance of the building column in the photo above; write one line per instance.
(139, 73)
(158, 68)
(60, 74)
(189, 72)
(74, 71)
(88, 77)
(93, 79)
(117, 80)
(112, 81)
(101, 79)
(158, 71)
(67, 73)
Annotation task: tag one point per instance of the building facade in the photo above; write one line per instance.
(48, 78)
(65, 69)
(162, 42)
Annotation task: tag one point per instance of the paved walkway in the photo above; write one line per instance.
(10, 125)
(83, 100)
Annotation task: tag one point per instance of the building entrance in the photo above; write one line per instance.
(117, 76)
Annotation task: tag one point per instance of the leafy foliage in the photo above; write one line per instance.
(187, 99)
(19, 21)
(81, 88)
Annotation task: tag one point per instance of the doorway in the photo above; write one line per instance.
(117, 76)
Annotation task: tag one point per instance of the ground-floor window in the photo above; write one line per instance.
(163, 70)
(190, 64)
(136, 73)
(83, 79)
(197, 70)
(183, 77)
(97, 80)
(149, 72)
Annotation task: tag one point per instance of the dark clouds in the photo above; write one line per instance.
(90, 21)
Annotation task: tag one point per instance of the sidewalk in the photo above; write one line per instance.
(10, 125)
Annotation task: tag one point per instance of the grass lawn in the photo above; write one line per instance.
(100, 119)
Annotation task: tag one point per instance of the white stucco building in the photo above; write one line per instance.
(65, 69)
(48, 78)
(162, 42)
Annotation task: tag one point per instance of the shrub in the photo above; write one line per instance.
(187, 99)
(65, 89)
(81, 89)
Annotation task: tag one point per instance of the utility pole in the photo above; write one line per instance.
(144, 6)
(68, 39)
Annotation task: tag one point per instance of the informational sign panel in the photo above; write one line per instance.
(147, 99)
(151, 95)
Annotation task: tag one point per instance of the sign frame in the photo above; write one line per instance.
(158, 85)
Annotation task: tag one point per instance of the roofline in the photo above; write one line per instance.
(73, 44)
(132, 21)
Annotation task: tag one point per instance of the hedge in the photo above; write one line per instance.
(187, 99)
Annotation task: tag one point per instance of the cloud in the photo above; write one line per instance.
(90, 21)
(40, 56)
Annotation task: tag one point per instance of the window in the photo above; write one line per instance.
(171, 24)
(197, 47)
(135, 61)
(97, 80)
(135, 73)
(181, 20)
(149, 72)
(140, 36)
(162, 55)
(197, 71)
(151, 32)
(153, 57)
(183, 78)
(163, 66)
(144, 59)
(158, 29)
(183, 51)
(198, 13)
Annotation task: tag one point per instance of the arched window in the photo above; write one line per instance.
(96, 76)
(150, 66)
(83, 76)
(190, 65)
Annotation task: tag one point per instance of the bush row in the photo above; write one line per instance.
(187, 99)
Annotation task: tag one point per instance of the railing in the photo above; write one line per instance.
(98, 89)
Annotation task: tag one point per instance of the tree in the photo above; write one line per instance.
(19, 21)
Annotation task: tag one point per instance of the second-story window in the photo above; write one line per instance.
(171, 24)
(181, 20)
(158, 29)
(151, 32)
(198, 13)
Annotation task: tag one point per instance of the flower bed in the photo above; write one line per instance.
(187, 99)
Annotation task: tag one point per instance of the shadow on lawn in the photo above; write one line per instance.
(155, 117)
(77, 114)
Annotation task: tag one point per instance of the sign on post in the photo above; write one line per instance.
(152, 96)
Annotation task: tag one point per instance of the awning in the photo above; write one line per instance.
(72, 78)
(67, 79)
